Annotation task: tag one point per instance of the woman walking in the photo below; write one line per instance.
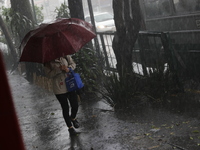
(57, 70)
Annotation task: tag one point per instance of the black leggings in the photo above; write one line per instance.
(72, 97)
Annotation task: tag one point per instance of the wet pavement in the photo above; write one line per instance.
(143, 127)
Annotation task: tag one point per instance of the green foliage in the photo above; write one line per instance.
(6, 15)
(19, 22)
(87, 66)
(62, 11)
(128, 89)
(39, 14)
(119, 93)
(16, 22)
(5, 11)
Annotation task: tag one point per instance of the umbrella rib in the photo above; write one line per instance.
(66, 38)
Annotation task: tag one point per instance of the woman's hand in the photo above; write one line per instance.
(64, 68)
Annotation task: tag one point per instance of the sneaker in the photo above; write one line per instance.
(72, 131)
(75, 123)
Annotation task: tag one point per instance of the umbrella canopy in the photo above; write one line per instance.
(53, 40)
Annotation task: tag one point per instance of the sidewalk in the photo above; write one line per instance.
(143, 128)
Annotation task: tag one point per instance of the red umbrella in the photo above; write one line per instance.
(53, 40)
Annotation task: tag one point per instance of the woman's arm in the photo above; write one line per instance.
(52, 69)
(71, 62)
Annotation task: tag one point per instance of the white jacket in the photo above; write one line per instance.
(58, 76)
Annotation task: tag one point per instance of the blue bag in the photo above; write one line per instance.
(73, 81)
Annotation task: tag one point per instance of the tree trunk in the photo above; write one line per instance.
(76, 9)
(9, 40)
(119, 34)
(23, 7)
(127, 18)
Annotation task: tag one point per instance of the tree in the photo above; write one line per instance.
(26, 12)
(17, 21)
(39, 14)
(127, 18)
(23, 22)
(8, 39)
(120, 89)
(76, 9)
(62, 11)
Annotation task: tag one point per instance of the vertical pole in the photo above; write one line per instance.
(93, 22)
(171, 60)
(104, 50)
(141, 39)
(34, 14)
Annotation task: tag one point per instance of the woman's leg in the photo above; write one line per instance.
(72, 96)
(62, 98)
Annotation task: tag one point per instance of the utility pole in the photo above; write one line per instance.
(34, 14)
(93, 23)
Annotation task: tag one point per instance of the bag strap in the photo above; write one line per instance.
(71, 72)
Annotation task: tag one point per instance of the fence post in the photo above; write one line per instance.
(168, 51)
(171, 60)
(141, 41)
(104, 50)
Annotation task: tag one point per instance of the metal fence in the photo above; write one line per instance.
(154, 51)
(146, 54)
(105, 44)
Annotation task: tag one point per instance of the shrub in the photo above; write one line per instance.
(88, 68)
